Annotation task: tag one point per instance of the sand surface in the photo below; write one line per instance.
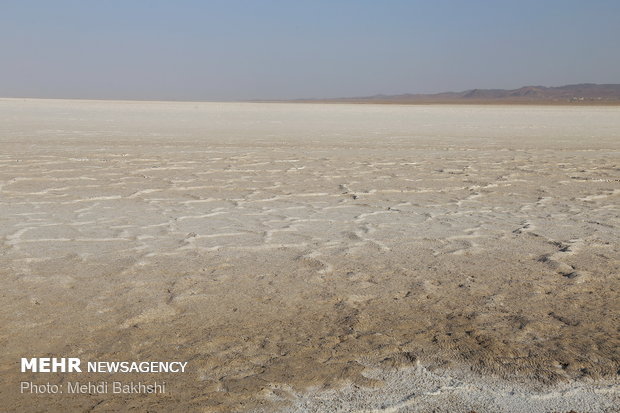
(308, 257)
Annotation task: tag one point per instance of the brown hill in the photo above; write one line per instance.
(585, 93)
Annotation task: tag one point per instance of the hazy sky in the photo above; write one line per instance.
(229, 49)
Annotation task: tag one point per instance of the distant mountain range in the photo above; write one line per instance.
(585, 93)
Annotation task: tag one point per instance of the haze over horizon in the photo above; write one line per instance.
(236, 50)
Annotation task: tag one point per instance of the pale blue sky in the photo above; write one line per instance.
(232, 49)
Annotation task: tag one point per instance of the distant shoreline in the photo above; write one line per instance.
(584, 94)
(458, 102)
(451, 102)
